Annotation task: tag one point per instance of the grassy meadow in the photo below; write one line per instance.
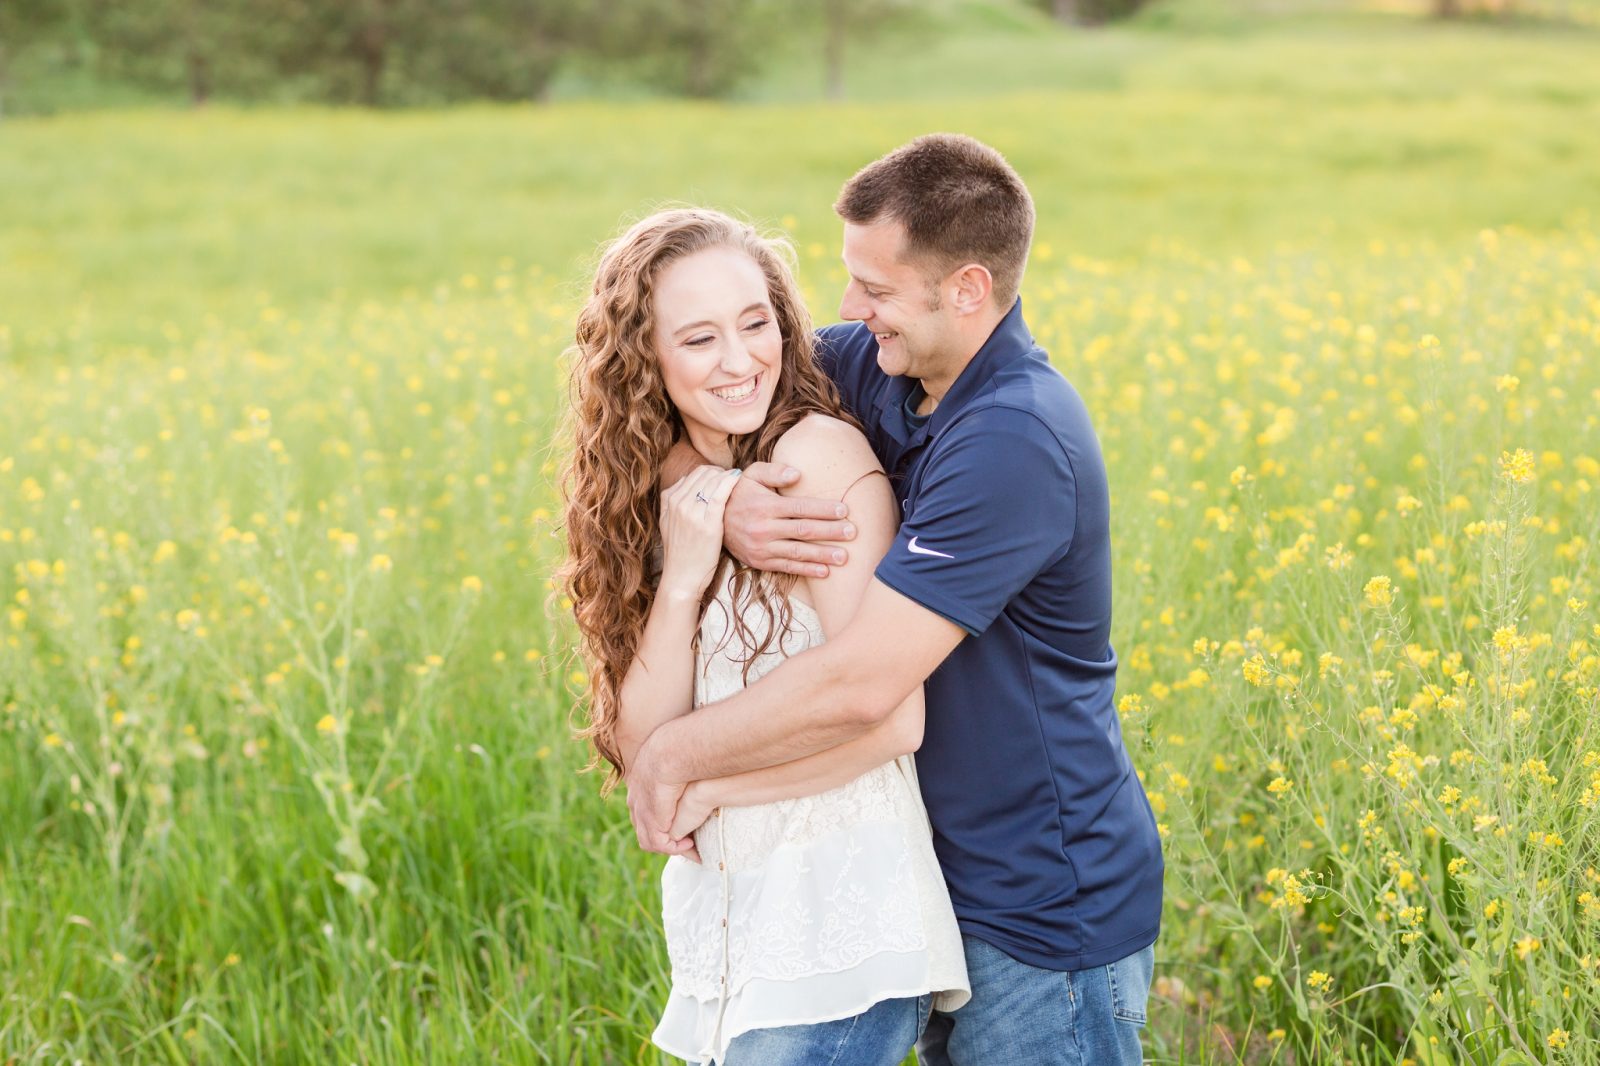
(285, 761)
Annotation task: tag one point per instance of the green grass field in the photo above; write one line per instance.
(285, 765)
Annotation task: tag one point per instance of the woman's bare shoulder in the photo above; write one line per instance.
(829, 452)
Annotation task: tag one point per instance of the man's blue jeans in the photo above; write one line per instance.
(881, 1036)
(1020, 1013)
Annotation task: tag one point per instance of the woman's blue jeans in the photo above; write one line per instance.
(1023, 1014)
(880, 1036)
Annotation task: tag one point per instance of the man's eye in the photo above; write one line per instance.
(873, 294)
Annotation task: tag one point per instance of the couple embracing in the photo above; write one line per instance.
(796, 558)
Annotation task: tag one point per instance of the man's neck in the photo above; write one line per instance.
(935, 388)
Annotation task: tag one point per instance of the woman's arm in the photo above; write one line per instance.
(836, 461)
(659, 684)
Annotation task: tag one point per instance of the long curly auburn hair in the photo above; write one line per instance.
(623, 425)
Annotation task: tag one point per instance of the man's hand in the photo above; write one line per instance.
(653, 805)
(772, 532)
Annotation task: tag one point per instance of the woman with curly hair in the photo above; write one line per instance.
(809, 922)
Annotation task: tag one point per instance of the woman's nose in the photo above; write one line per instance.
(736, 358)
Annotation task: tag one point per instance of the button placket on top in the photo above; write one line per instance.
(727, 902)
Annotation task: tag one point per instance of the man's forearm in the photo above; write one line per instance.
(899, 734)
(810, 703)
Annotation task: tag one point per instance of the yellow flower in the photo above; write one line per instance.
(1379, 592)
(1280, 786)
(1527, 946)
(1557, 1039)
(381, 564)
(1255, 671)
(328, 724)
(53, 740)
(1262, 981)
(1517, 467)
(1319, 981)
(346, 542)
(471, 584)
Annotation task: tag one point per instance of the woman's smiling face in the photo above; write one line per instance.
(721, 353)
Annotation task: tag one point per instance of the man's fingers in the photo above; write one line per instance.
(790, 566)
(807, 529)
(814, 554)
(816, 508)
(772, 475)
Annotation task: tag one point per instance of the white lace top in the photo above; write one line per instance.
(805, 910)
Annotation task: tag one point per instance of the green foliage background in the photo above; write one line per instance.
(285, 773)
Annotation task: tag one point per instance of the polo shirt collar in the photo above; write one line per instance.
(1009, 342)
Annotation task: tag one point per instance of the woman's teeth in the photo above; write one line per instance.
(735, 393)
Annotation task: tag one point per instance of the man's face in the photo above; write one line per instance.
(896, 300)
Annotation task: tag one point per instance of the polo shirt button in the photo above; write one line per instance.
(724, 923)
(719, 866)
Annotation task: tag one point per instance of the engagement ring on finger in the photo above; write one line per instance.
(701, 497)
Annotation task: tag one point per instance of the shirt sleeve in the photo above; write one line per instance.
(997, 504)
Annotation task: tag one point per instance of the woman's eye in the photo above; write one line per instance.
(759, 323)
(698, 342)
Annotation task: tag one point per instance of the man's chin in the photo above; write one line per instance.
(891, 363)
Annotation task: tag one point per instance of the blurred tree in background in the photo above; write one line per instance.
(1090, 12)
(844, 21)
(698, 48)
(36, 25)
(204, 46)
(380, 53)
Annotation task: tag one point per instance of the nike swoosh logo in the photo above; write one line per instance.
(916, 550)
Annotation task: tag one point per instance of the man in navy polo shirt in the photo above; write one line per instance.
(996, 595)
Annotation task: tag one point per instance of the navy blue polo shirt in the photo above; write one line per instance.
(1042, 828)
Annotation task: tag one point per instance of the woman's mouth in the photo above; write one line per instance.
(737, 394)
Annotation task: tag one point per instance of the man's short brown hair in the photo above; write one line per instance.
(959, 201)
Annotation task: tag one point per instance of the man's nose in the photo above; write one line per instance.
(852, 308)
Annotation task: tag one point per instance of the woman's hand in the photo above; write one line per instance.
(694, 807)
(691, 530)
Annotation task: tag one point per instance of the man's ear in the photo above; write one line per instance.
(973, 285)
